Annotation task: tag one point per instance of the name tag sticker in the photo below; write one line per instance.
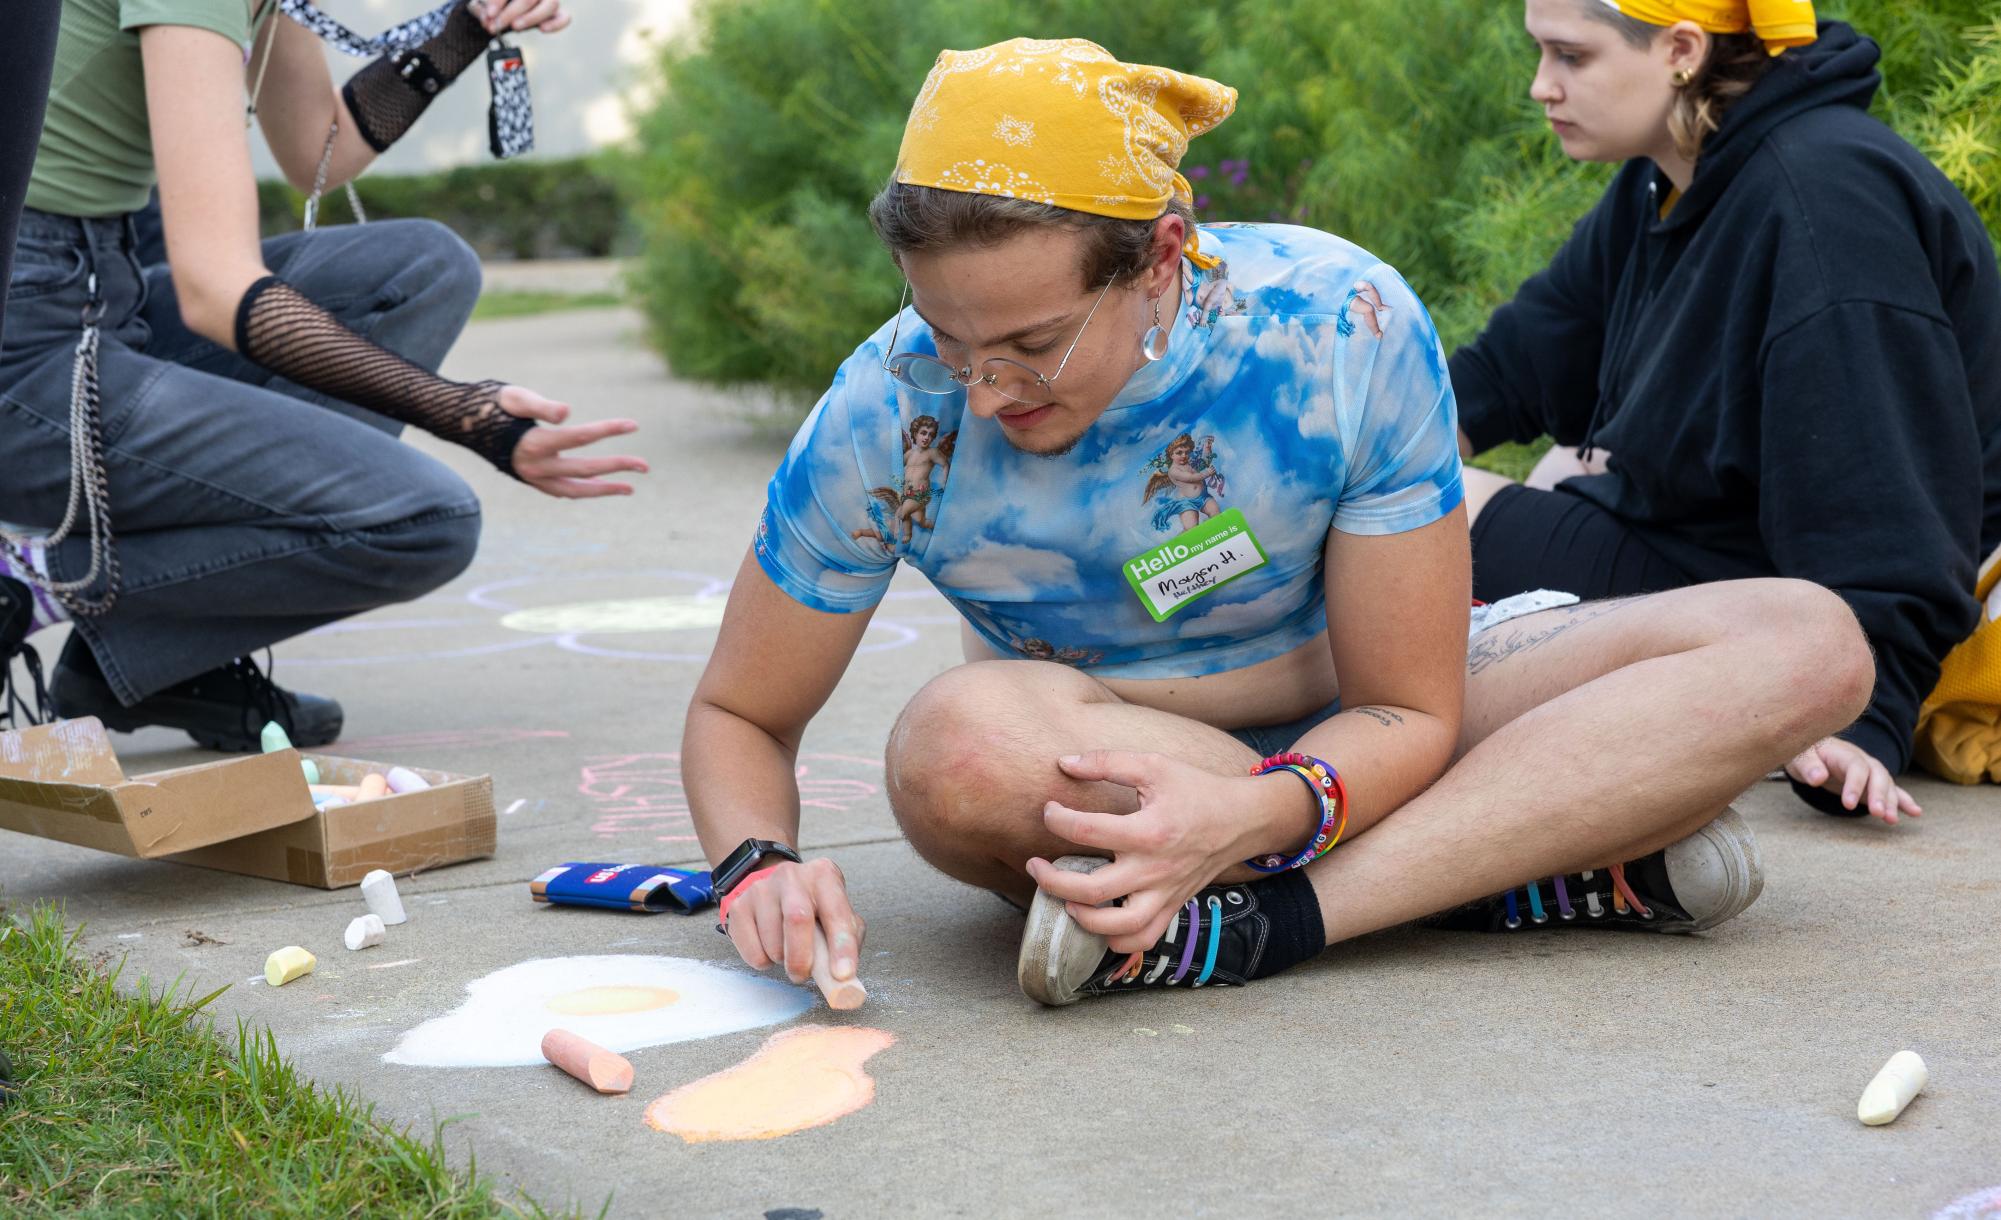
(1195, 564)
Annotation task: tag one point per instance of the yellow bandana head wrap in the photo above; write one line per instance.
(1060, 121)
(1781, 23)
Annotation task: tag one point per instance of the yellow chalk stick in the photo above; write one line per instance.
(1900, 1080)
(286, 964)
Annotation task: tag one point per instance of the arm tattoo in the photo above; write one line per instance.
(1493, 646)
(1381, 715)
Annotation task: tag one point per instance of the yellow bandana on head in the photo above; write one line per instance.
(1060, 121)
(1781, 23)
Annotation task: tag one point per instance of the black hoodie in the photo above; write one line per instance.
(1797, 373)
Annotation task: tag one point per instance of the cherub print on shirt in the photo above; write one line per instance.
(1186, 487)
(927, 464)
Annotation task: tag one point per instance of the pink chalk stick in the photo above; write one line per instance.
(842, 995)
(587, 1061)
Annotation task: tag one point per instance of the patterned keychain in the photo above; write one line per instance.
(510, 116)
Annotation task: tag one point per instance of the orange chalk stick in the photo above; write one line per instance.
(587, 1061)
(842, 994)
(373, 786)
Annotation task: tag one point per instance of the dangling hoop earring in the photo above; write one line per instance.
(1683, 78)
(1153, 344)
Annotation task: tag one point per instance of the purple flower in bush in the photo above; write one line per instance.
(1198, 172)
(1201, 203)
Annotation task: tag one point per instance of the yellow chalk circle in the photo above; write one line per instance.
(629, 617)
(288, 963)
(603, 1001)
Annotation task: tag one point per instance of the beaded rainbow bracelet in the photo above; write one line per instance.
(1328, 789)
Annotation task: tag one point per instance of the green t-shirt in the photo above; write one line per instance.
(96, 156)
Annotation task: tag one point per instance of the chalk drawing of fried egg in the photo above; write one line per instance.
(622, 1002)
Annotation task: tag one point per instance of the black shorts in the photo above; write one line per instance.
(1528, 539)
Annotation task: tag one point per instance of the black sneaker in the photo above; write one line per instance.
(1690, 886)
(224, 709)
(1216, 940)
(18, 710)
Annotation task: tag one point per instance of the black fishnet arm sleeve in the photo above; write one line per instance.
(288, 334)
(388, 95)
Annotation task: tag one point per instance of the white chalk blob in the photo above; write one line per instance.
(622, 1002)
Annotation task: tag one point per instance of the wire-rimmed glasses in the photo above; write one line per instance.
(1009, 378)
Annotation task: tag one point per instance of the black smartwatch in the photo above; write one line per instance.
(743, 861)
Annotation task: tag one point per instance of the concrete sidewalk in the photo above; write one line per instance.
(1411, 1073)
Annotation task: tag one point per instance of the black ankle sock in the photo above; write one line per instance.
(1297, 932)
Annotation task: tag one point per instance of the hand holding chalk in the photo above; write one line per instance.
(842, 995)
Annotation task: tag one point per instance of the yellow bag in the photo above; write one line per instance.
(1959, 730)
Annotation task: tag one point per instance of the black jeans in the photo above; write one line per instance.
(247, 509)
(24, 94)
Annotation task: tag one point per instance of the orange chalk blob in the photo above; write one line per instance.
(603, 1001)
(804, 1077)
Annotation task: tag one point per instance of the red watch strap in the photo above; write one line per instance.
(729, 899)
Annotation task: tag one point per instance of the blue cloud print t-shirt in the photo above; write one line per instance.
(1304, 386)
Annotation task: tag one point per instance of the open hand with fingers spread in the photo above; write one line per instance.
(1838, 766)
(1192, 826)
(540, 457)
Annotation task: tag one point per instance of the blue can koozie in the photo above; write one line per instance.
(624, 887)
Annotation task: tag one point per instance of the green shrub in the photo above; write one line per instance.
(513, 209)
(1404, 127)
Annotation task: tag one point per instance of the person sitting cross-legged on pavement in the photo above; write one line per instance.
(1196, 494)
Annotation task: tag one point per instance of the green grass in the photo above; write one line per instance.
(508, 303)
(130, 1105)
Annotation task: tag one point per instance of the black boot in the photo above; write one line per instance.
(223, 709)
(17, 615)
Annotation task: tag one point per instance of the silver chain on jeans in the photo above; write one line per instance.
(88, 486)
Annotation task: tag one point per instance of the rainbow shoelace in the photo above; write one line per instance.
(1624, 900)
(1129, 971)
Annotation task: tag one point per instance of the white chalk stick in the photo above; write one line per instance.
(329, 802)
(364, 932)
(1900, 1080)
(286, 964)
(378, 890)
(842, 994)
(403, 779)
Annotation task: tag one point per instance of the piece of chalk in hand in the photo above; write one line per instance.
(286, 964)
(842, 994)
(597, 1067)
(364, 932)
(273, 737)
(1893, 1088)
(378, 890)
(403, 779)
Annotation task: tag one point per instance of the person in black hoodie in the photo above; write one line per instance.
(1775, 344)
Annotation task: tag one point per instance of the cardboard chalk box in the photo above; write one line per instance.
(251, 814)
